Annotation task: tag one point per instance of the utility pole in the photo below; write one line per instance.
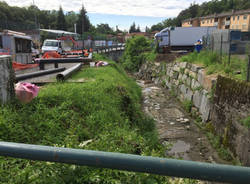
(83, 19)
(35, 15)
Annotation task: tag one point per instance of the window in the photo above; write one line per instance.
(238, 17)
(22, 45)
(211, 20)
(203, 22)
(245, 17)
(207, 21)
(233, 17)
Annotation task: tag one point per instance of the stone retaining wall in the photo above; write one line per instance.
(188, 81)
(6, 79)
(225, 106)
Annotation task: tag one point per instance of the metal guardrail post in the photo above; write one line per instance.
(128, 162)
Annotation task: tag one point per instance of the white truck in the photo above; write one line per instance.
(181, 38)
(52, 45)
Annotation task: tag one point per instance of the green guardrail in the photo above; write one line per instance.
(128, 162)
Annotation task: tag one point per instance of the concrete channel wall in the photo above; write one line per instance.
(6, 79)
(223, 102)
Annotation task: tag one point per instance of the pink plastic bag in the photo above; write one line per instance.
(25, 91)
(101, 63)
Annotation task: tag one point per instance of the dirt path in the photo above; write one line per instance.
(175, 127)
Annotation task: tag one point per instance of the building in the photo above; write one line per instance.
(194, 22)
(239, 20)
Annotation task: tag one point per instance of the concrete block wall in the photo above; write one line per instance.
(6, 79)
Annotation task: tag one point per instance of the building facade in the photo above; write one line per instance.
(238, 20)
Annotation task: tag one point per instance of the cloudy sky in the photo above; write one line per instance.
(116, 12)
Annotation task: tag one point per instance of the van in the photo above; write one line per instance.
(52, 45)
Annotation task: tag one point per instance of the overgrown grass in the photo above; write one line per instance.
(215, 64)
(105, 110)
(246, 122)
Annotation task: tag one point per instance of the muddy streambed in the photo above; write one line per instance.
(175, 128)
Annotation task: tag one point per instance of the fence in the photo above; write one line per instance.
(227, 41)
(128, 162)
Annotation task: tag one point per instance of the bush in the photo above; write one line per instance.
(134, 56)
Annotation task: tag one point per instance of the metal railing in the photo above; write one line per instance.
(105, 49)
(128, 162)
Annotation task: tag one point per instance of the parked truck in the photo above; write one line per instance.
(181, 38)
(16, 44)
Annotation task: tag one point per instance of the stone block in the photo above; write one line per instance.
(183, 89)
(193, 74)
(184, 77)
(195, 84)
(175, 75)
(183, 64)
(195, 68)
(157, 64)
(188, 81)
(176, 68)
(180, 76)
(205, 106)
(189, 94)
(201, 75)
(197, 99)
(209, 81)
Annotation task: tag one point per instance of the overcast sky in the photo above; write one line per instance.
(155, 9)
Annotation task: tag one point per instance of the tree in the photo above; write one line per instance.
(71, 19)
(132, 28)
(83, 23)
(104, 29)
(61, 22)
(138, 30)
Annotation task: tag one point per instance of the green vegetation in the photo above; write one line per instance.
(187, 104)
(135, 53)
(213, 64)
(246, 122)
(105, 110)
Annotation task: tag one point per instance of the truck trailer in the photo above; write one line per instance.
(181, 38)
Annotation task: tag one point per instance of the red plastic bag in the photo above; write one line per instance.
(25, 91)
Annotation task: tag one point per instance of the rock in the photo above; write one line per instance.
(189, 94)
(172, 123)
(175, 75)
(197, 99)
(201, 74)
(192, 74)
(176, 68)
(183, 64)
(188, 81)
(205, 106)
(209, 81)
(183, 89)
(195, 84)
(195, 68)
(188, 127)
(184, 77)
